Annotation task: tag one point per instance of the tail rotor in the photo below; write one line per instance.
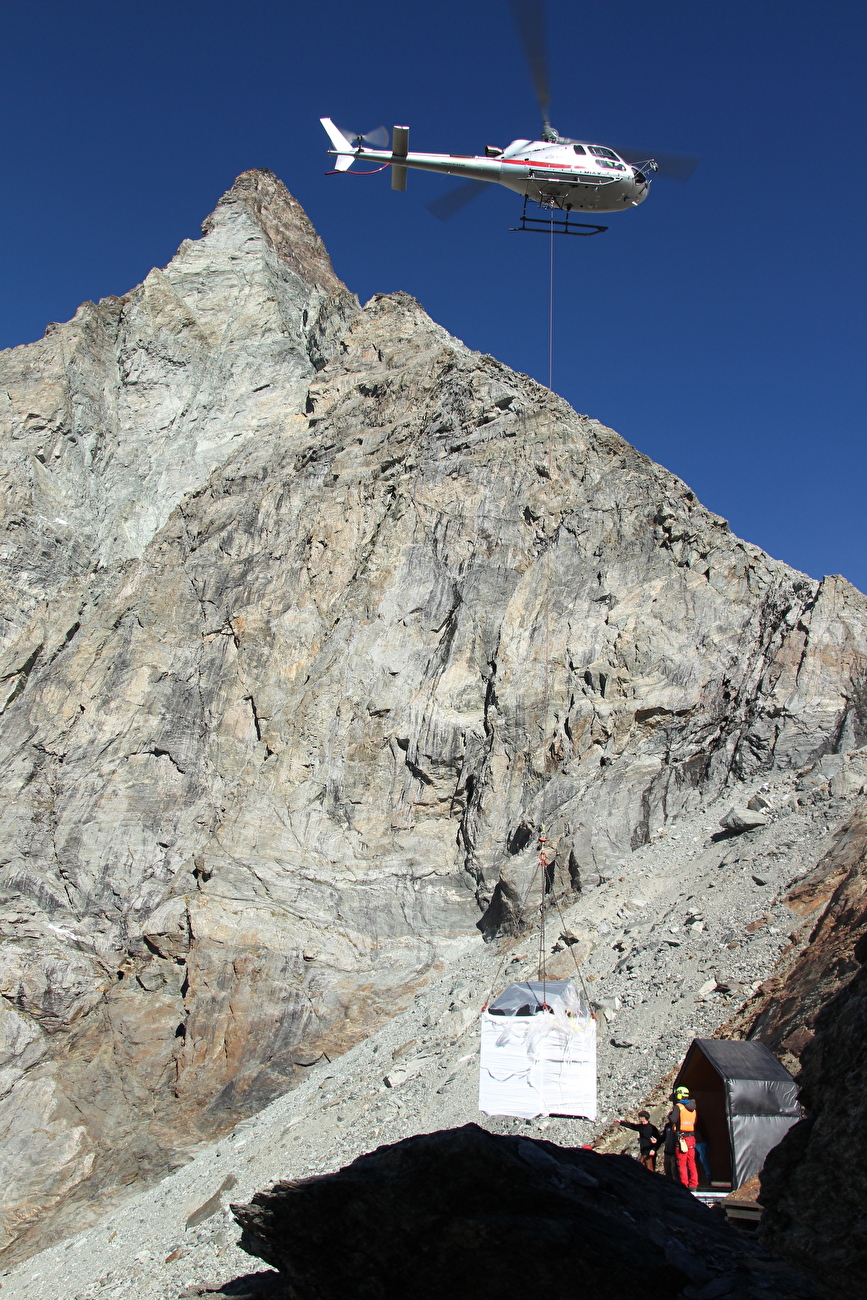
(378, 138)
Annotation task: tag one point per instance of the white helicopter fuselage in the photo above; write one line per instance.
(577, 176)
(581, 181)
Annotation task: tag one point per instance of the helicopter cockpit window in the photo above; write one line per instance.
(599, 152)
(579, 148)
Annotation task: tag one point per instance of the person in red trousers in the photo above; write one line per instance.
(683, 1119)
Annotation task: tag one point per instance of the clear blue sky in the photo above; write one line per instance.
(720, 327)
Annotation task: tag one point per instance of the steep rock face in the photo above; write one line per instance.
(349, 611)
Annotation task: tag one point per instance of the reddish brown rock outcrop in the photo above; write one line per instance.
(834, 898)
(814, 1184)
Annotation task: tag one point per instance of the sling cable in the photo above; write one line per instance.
(543, 872)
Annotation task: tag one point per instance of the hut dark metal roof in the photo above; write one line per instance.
(742, 1060)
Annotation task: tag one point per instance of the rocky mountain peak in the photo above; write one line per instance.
(111, 418)
(284, 223)
(312, 616)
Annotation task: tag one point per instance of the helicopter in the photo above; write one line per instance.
(557, 173)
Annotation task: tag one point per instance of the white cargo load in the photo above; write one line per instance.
(538, 1054)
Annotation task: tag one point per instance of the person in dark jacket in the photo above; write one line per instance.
(669, 1151)
(648, 1139)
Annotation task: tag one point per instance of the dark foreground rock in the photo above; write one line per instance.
(467, 1212)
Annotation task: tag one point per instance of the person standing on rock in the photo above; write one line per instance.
(683, 1118)
(648, 1139)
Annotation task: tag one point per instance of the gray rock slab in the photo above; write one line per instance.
(743, 819)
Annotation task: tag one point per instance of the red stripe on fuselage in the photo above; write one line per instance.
(528, 162)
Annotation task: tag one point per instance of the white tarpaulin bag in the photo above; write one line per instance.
(537, 1061)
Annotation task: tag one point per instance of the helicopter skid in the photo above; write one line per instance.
(556, 223)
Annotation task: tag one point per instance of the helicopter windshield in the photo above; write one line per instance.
(599, 152)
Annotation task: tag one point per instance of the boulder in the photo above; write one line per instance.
(464, 1212)
(743, 819)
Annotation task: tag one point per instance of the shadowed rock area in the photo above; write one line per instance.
(814, 1184)
(310, 616)
(467, 1212)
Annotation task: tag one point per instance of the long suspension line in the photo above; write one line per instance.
(543, 858)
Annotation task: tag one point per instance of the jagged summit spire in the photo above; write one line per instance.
(285, 224)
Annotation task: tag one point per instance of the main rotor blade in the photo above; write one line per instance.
(450, 203)
(530, 20)
(676, 166)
